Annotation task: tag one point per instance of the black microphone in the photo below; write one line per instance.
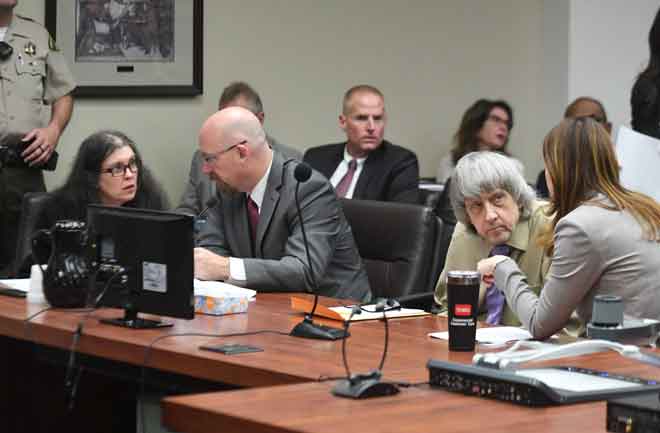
(210, 203)
(200, 219)
(302, 173)
(307, 328)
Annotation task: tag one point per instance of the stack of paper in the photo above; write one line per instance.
(495, 336)
(639, 156)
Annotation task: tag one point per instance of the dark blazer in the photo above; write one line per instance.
(645, 105)
(542, 190)
(278, 262)
(390, 173)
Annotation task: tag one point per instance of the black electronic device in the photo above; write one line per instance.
(535, 386)
(231, 348)
(153, 251)
(13, 146)
(609, 323)
(307, 328)
(361, 386)
(636, 414)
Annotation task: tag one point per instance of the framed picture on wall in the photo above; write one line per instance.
(130, 47)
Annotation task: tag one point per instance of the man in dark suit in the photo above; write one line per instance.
(366, 166)
(254, 238)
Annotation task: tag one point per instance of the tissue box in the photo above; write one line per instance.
(218, 298)
(220, 305)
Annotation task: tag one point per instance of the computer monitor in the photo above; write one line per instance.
(143, 261)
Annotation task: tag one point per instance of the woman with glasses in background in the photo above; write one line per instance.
(107, 170)
(486, 125)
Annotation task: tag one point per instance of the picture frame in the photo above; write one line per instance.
(126, 48)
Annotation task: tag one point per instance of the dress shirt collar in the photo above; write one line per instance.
(257, 193)
(348, 157)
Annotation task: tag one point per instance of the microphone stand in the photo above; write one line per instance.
(359, 386)
(307, 328)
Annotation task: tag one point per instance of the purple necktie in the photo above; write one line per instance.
(253, 217)
(345, 182)
(494, 297)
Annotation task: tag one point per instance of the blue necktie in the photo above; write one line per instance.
(494, 297)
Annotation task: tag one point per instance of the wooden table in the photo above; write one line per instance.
(37, 387)
(311, 408)
(283, 393)
(284, 360)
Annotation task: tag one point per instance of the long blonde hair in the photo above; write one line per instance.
(580, 160)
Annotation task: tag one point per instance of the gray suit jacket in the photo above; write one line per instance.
(200, 188)
(279, 262)
(597, 251)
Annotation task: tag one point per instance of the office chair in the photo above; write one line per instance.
(32, 206)
(396, 242)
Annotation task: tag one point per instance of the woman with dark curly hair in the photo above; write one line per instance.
(485, 125)
(645, 97)
(107, 170)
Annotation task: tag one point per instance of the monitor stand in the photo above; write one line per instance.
(131, 320)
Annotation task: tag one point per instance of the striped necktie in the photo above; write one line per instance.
(345, 182)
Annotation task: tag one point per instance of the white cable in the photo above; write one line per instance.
(512, 357)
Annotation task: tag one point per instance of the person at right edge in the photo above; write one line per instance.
(33, 73)
(645, 96)
(604, 239)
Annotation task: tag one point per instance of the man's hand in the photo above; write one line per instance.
(210, 266)
(43, 146)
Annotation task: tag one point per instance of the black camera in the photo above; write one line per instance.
(10, 154)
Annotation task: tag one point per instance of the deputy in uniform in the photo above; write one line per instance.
(33, 75)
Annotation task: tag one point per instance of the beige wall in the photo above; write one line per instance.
(431, 58)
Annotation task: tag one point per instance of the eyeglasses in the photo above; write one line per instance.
(119, 169)
(497, 119)
(211, 158)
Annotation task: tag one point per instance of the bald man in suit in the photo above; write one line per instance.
(254, 238)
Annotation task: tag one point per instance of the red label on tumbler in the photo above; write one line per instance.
(463, 310)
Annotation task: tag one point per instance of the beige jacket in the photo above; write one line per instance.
(467, 248)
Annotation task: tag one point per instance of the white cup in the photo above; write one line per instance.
(36, 292)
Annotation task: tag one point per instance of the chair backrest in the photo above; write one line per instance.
(31, 208)
(396, 242)
(445, 232)
(429, 198)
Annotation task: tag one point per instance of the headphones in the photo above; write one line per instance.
(6, 50)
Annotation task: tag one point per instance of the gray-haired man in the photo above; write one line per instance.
(497, 213)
